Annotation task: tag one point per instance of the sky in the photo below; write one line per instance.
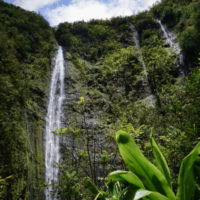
(57, 11)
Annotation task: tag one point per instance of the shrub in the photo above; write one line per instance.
(146, 181)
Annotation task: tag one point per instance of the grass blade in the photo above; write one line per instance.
(98, 195)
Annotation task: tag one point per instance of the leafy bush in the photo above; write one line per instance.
(146, 181)
(145, 21)
(183, 17)
(168, 16)
(189, 41)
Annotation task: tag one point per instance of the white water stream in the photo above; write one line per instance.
(170, 39)
(54, 121)
(150, 97)
(137, 43)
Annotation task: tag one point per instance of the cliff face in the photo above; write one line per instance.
(107, 88)
(26, 48)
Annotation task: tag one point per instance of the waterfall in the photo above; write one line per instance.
(149, 98)
(53, 122)
(170, 39)
(137, 43)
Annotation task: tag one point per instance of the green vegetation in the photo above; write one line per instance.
(183, 17)
(145, 180)
(96, 39)
(107, 59)
(26, 48)
(104, 69)
(112, 84)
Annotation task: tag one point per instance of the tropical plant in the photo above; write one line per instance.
(146, 181)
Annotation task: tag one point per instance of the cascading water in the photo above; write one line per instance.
(170, 39)
(137, 43)
(53, 122)
(149, 97)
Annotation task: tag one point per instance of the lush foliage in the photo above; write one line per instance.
(26, 44)
(95, 39)
(184, 18)
(103, 57)
(105, 69)
(145, 180)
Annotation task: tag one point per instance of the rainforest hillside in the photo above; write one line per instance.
(183, 18)
(116, 94)
(120, 74)
(26, 51)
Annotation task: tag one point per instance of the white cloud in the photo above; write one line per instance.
(33, 5)
(95, 9)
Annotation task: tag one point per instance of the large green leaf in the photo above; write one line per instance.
(126, 176)
(136, 162)
(140, 194)
(187, 175)
(160, 161)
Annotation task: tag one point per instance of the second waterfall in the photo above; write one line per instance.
(53, 122)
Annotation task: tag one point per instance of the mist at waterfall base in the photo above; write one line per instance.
(53, 122)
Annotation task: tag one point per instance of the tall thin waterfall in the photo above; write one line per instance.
(137, 43)
(170, 39)
(54, 121)
(149, 97)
